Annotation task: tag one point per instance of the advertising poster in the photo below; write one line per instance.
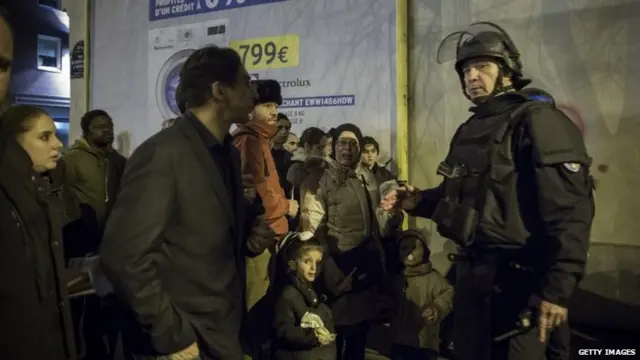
(333, 59)
(169, 48)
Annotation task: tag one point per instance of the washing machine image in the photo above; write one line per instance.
(169, 48)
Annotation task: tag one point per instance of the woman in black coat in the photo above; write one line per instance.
(34, 311)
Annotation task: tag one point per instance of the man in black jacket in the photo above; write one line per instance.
(176, 240)
(516, 196)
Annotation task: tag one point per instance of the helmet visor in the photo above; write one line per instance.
(450, 46)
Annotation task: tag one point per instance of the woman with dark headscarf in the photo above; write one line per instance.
(34, 310)
(342, 210)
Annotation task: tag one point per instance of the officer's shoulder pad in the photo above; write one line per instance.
(555, 138)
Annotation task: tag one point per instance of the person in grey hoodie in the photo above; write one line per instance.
(422, 298)
(307, 159)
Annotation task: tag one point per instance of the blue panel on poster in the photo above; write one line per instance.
(168, 9)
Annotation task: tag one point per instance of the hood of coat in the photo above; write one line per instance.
(82, 146)
(426, 266)
(302, 165)
(414, 233)
(299, 155)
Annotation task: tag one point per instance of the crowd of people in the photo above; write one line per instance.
(253, 243)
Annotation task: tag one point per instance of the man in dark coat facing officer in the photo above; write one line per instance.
(175, 243)
(516, 197)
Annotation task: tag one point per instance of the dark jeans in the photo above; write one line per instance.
(351, 341)
(403, 352)
(97, 326)
(481, 313)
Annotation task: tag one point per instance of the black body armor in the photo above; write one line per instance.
(480, 190)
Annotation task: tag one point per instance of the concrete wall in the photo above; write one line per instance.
(583, 52)
(78, 15)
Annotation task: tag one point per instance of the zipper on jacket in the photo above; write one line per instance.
(106, 181)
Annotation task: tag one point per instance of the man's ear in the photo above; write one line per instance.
(506, 75)
(217, 91)
(506, 80)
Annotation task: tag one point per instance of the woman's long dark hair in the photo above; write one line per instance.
(17, 119)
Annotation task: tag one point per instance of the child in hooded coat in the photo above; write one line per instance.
(303, 324)
(422, 297)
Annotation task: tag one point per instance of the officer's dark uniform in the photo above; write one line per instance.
(559, 345)
(517, 198)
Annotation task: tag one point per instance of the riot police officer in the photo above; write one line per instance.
(516, 197)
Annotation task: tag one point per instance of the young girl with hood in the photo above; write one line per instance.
(422, 297)
(303, 324)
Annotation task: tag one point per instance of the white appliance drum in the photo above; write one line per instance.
(167, 83)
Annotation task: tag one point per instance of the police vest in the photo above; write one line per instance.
(481, 200)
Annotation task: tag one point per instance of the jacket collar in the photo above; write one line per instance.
(306, 289)
(13, 159)
(83, 145)
(422, 269)
(261, 128)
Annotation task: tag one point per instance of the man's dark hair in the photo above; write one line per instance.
(89, 116)
(204, 67)
(368, 140)
(180, 102)
(4, 15)
(282, 116)
(312, 136)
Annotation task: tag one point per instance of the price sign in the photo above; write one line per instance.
(268, 53)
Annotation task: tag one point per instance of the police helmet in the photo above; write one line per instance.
(483, 39)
